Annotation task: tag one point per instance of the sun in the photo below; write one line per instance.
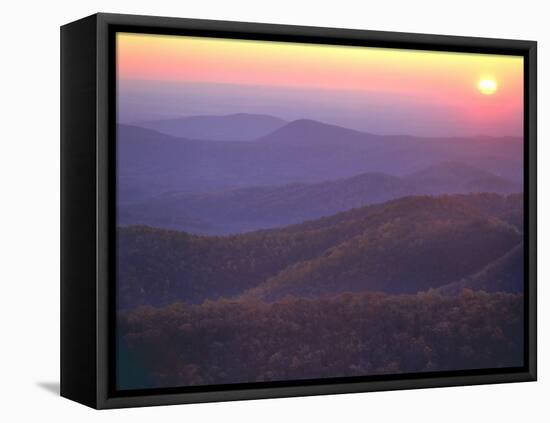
(487, 86)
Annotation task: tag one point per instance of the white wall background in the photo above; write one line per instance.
(29, 177)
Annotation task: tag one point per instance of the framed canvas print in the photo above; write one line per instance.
(255, 211)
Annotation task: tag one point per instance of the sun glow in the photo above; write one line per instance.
(371, 87)
(487, 86)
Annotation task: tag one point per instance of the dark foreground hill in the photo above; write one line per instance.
(347, 335)
(403, 246)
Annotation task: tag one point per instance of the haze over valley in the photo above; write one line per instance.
(316, 217)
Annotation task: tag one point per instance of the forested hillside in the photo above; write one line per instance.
(230, 341)
(403, 246)
(290, 211)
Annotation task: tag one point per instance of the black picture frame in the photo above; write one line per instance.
(88, 208)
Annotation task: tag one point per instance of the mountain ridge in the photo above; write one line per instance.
(505, 274)
(254, 208)
(230, 127)
(159, 267)
(150, 163)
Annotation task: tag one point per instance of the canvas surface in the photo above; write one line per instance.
(295, 211)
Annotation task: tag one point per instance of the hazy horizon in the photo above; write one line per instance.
(377, 90)
(141, 101)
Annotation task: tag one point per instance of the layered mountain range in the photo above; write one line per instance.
(253, 249)
(247, 209)
(299, 171)
(406, 245)
(150, 163)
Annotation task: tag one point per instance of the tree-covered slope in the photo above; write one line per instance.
(405, 245)
(358, 334)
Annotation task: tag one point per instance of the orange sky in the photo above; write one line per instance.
(438, 78)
